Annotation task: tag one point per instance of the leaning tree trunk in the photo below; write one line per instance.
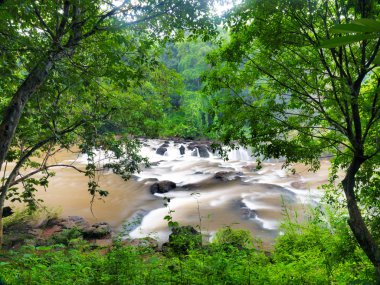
(13, 114)
(356, 221)
(15, 108)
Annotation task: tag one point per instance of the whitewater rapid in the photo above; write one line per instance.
(244, 198)
(248, 198)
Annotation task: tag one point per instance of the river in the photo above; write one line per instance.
(245, 198)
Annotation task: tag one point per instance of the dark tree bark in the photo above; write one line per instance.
(15, 108)
(356, 221)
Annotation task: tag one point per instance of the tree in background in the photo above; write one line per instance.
(61, 62)
(187, 115)
(278, 91)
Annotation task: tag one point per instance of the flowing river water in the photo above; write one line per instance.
(244, 198)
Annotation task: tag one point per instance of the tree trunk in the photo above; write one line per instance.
(13, 114)
(15, 108)
(356, 222)
(2, 200)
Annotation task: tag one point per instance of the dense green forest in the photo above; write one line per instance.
(288, 79)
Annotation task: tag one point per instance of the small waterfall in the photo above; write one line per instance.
(195, 152)
(241, 153)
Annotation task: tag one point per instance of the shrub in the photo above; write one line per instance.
(322, 249)
(183, 239)
(238, 238)
(66, 236)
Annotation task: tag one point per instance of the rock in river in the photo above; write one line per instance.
(162, 187)
(161, 150)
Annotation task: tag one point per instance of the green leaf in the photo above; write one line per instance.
(377, 60)
(352, 28)
(370, 23)
(336, 42)
(168, 218)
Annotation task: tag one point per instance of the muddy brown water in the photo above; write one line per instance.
(210, 202)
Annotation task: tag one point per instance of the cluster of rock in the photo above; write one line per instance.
(56, 230)
(201, 149)
(95, 231)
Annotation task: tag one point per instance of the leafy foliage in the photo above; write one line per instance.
(71, 71)
(319, 251)
(187, 115)
(238, 238)
(276, 90)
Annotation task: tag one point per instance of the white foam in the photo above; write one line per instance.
(268, 224)
(189, 169)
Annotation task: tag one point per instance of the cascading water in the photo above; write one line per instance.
(227, 193)
(241, 154)
(195, 152)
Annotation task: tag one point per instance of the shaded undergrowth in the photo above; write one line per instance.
(320, 250)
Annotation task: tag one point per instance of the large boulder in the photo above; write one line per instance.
(182, 150)
(161, 150)
(162, 187)
(97, 231)
(199, 149)
(68, 223)
(203, 151)
(16, 234)
(247, 213)
(75, 221)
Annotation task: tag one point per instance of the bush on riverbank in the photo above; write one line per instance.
(320, 251)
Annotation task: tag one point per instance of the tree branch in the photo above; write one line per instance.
(42, 22)
(46, 167)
